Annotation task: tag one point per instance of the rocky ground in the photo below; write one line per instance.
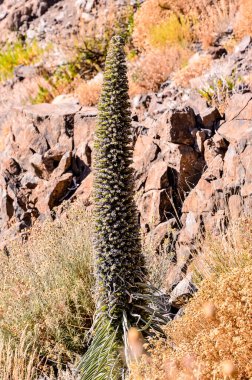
(193, 164)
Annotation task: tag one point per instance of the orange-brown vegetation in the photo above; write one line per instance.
(165, 32)
(88, 92)
(243, 24)
(146, 75)
(196, 66)
(212, 340)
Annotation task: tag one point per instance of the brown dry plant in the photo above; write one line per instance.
(212, 340)
(88, 92)
(46, 288)
(154, 67)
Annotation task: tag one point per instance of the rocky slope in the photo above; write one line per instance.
(193, 167)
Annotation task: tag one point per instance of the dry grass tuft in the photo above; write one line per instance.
(197, 65)
(88, 92)
(225, 252)
(46, 290)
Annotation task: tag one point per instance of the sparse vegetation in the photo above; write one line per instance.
(68, 313)
(219, 89)
(212, 340)
(88, 92)
(18, 53)
(46, 298)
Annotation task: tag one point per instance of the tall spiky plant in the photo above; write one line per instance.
(120, 265)
(122, 297)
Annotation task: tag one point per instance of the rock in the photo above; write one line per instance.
(164, 233)
(3, 14)
(177, 126)
(209, 116)
(54, 122)
(87, 17)
(235, 206)
(84, 191)
(182, 293)
(215, 168)
(157, 178)
(243, 45)
(37, 163)
(200, 138)
(29, 181)
(84, 127)
(59, 188)
(217, 52)
(64, 164)
(237, 103)
(7, 209)
(155, 207)
(12, 167)
(42, 8)
(191, 225)
(144, 153)
(89, 5)
(184, 164)
(66, 99)
(47, 195)
(237, 131)
(21, 72)
(52, 157)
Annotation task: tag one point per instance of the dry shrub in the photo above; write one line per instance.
(215, 18)
(243, 24)
(208, 337)
(153, 68)
(20, 362)
(88, 92)
(148, 15)
(200, 20)
(197, 65)
(212, 340)
(22, 92)
(46, 288)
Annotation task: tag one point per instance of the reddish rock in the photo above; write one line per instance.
(200, 138)
(64, 164)
(154, 206)
(11, 166)
(84, 127)
(58, 189)
(185, 164)
(145, 152)
(38, 165)
(235, 206)
(237, 103)
(164, 233)
(177, 126)
(215, 168)
(157, 178)
(84, 191)
(209, 117)
(50, 194)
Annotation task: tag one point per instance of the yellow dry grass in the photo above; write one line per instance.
(46, 291)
